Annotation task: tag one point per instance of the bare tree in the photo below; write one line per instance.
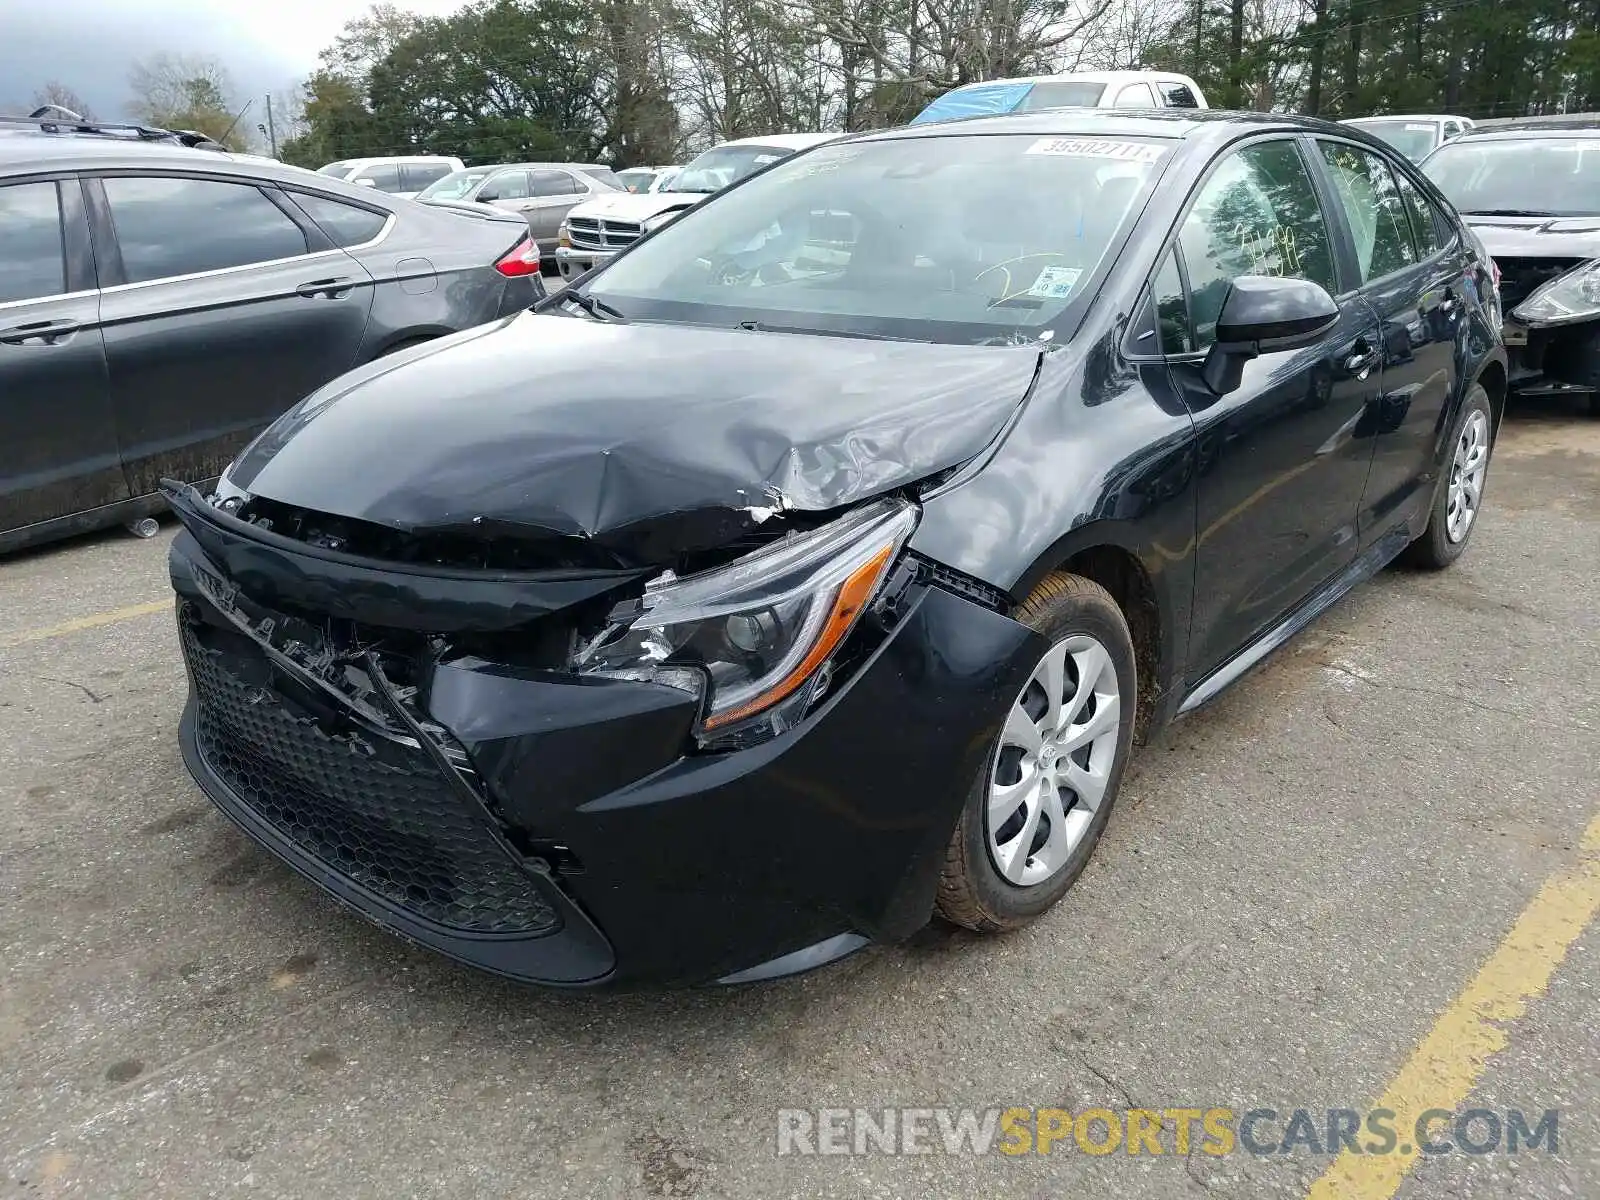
(186, 92)
(57, 93)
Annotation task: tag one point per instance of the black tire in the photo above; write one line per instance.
(1433, 550)
(972, 891)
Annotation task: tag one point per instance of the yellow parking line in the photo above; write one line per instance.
(91, 622)
(1447, 1064)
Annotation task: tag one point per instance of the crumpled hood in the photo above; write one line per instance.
(577, 427)
(1538, 237)
(634, 206)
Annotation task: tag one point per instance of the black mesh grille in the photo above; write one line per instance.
(377, 812)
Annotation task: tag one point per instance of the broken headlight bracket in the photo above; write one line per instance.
(756, 639)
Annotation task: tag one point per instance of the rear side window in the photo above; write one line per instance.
(1257, 215)
(1179, 95)
(416, 176)
(1377, 215)
(170, 226)
(384, 176)
(32, 259)
(554, 183)
(345, 224)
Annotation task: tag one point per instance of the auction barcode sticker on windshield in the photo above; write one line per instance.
(1137, 152)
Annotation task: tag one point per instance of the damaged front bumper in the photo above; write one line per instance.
(560, 829)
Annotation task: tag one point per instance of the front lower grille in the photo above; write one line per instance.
(595, 233)
(376, 811)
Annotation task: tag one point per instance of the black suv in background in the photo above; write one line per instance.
(161, 301)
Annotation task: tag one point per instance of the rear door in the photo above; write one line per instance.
(1412, 278)
(555, 194)
(224, 305)
(58, 441)
(1281, 468)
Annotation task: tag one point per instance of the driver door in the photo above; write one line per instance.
(1282, 463)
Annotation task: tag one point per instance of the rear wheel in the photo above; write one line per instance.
(1459, 496)
(1038, 809)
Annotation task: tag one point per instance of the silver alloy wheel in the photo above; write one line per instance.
(1055, 756)
(1466, 476)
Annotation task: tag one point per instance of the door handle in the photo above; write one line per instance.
(48, 332)
(331, 289)
(1447, 304)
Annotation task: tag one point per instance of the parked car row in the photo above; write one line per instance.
(161, 303)
(813, 564)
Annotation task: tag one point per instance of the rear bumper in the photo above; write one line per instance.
(658, 865)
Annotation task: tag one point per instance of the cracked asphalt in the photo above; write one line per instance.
(1301, 881)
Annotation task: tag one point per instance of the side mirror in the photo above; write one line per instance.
(1263, 314)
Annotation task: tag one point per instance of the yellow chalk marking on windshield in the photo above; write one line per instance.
(1448, 1063)
(95, 621)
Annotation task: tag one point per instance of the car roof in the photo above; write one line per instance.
(1107, 77)
(1576, 126)
(26, 151)
(1404, 117)
(385, 158)
(1188, 124)
(787, 141)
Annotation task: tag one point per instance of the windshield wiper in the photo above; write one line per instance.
(1505, 212)
(763, 327)
(598, 309)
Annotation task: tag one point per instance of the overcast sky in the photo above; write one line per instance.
(267, 45)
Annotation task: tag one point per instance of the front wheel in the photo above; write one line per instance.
(1038, 809)
(1459, 496)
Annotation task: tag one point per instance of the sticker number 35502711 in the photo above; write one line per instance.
(1133, 152)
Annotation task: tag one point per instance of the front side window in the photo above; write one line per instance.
(170, 226)
(1372, 205)
(1136, 95)
(416, 176)
(32, 255)
(508, 185)
(1256, 215)
(455, 185)
(1554, 175)
(383, 176)
(1425, 221)
(554, 183)
(963, 239)
(605, 177)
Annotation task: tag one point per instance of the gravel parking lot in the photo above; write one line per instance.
(1363, 848)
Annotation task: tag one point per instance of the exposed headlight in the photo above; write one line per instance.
(754, 636)
(651, 224)
(1573, 297)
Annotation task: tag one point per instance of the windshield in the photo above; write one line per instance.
(955, 239)
(455, 185)
(1412, 138)
(722, 165)
(1062, 95)
(636, 179)
(1558, 176)
(605, 176)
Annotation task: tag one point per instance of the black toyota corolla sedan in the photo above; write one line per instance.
(813, 567)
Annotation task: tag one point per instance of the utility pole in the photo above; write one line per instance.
(272, 131)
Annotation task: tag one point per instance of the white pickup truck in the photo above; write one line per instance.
(1081, 89)
(599, 228)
